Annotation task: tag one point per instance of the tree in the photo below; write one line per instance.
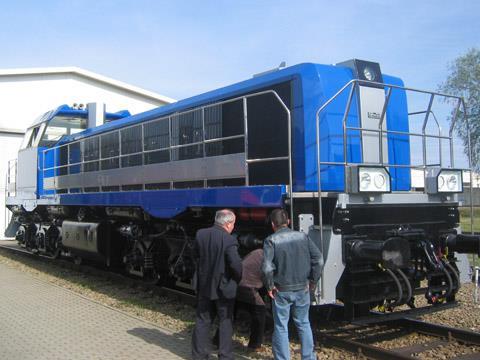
(464, 80)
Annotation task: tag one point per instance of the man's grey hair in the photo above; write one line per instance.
(223, 217)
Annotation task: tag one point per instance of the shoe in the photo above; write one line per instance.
(215, 340)
(256, 349)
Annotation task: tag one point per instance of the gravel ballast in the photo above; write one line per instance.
(168, 312)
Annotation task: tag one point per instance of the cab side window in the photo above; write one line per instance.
(30, 137)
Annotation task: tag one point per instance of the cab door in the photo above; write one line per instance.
(27, 164)
(27, 173)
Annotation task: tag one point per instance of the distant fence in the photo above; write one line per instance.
(465, 196)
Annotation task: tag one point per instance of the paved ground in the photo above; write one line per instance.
(42, 321)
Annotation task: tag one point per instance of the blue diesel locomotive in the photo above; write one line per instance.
(332, 144)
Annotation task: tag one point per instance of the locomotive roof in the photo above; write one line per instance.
(310, 70)
(65, 110)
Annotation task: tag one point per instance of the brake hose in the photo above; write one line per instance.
(449, 280)
(399, 286)
(457, 278)
(407, 283)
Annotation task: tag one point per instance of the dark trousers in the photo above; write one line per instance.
(206, 311)
(257, 324)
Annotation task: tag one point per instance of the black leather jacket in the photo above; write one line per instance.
(291, 259)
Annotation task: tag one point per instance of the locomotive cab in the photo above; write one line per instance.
(25, 180)
(44, 133)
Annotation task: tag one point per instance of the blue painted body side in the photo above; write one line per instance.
(318, 86)
(169, 203)
(312, 86)
(324, 83)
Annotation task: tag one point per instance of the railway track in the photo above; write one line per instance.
(368, 338)
(87, 268)
(372, 340)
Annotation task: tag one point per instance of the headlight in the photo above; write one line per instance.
(450, 181)
(444, 181)
(369, 73)
(373, 179)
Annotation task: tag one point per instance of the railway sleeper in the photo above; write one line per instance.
(358, 340)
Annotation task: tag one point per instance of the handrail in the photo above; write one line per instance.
(380, 125)
(397, 132)
(354, 84)
(469, 161)
(319, 182)
(11, 164)
(171, 147)
(140, 152)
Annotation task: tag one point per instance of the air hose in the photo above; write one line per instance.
(407, 284)
(399, 287)
(449, 280)
(455, 273)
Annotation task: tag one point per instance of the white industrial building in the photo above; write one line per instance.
(25, 94)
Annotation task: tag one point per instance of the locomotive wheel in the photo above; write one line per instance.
(152, 277)
(166, 280)
(56, 253)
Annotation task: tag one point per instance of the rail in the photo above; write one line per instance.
(353, 87)
(357, 339)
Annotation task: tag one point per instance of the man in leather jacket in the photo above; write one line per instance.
(292, 265)
(219, 270)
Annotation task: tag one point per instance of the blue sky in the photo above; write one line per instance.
(182, 48)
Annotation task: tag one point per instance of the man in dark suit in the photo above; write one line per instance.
(219, 270)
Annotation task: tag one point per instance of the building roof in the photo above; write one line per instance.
(73, 70)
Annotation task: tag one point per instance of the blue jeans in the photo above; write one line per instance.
(299, 302)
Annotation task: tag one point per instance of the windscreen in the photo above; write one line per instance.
(60, 126)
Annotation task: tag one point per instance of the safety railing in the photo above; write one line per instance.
(353, 85)
(80, 165)
(10, 186)
(11, 178)
(353, 88)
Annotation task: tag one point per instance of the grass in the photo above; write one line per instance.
(466, 227)
(465, 219)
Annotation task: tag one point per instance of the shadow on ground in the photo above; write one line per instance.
(170, 343)
(128, 293)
